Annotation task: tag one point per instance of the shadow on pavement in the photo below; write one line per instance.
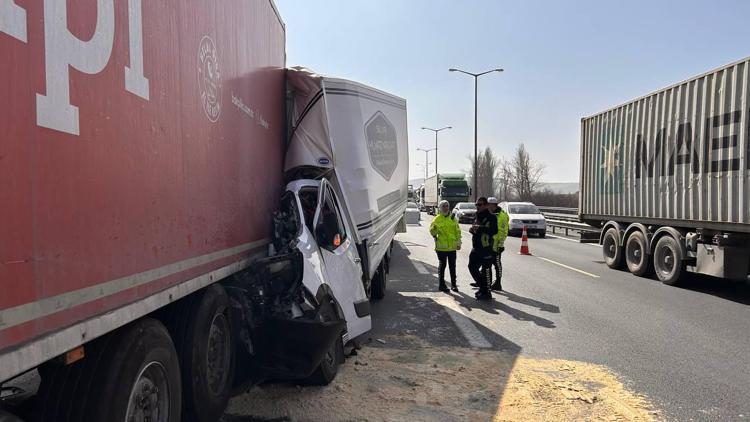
(429, 283)
(546, 307)
(495, 305)
(735, 291)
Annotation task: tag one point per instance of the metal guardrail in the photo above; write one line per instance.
(559, 210)
(566, 220)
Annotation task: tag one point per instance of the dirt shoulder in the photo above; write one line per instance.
(424, 382)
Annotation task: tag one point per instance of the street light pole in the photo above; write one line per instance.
(437, 175)
(425, 167)
(426, 151)
(476, 152)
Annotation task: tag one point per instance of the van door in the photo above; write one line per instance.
(341, 262)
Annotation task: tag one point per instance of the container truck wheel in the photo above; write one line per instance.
(207, 355)
(139, 378)
(668, 260)
(611, 249)
(379, 282)
(636, 254)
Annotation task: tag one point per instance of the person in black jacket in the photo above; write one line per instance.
(481, 257)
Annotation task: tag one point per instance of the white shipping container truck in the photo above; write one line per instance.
(666, 177)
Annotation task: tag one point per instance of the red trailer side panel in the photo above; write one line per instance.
(141, 147)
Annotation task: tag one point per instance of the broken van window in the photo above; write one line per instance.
(308, 197)
(286, 224)
(330, 231)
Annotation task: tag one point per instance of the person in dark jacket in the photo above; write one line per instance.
(483, 232)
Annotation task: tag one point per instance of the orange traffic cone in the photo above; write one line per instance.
(524, 243)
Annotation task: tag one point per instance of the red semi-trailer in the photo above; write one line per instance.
(141, 159)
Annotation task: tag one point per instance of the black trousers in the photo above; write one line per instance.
(450, 257)
(480, 267)
(498, 264)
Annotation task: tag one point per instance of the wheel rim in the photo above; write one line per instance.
(219, 354)
(635, 252)
(149, 398)
(665, 260)
(610, 247)
(329, 357)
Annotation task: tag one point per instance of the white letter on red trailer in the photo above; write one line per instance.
(63, 49)
(13, 20)
(135, 82)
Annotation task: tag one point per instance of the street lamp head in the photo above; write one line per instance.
(499, 70)
(452, 70)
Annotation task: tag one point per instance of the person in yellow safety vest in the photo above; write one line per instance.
(444, 229)
(499, 241)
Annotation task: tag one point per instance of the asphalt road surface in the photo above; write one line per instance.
(685, 348)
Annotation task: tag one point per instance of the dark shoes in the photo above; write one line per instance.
(454, 287)
(474, 284)
(483, 295)
(497, 286)
(443, 288)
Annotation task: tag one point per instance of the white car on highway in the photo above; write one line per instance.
(465, 212)
(524, 214)
(412, 215)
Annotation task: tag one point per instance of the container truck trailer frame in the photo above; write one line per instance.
(667, 178)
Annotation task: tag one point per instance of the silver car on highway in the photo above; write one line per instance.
(465, 212)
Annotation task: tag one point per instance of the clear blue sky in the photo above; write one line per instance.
(562, 60)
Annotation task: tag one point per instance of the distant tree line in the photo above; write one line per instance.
(515, 179)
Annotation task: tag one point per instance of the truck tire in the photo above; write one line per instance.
(139, 376)
(636, 254)
(668, 260)
(205, 345)
(379, 283)
(326, 372)
(612, 250)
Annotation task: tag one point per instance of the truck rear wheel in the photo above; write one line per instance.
(205, 345)
(139, 378)
(611, 249)
(636, 254)
(668, 260)
(379, 282)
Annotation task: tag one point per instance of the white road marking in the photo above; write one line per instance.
(569, 267)
(464, 324)
(419, 266)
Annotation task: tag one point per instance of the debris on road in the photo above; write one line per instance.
(380, 340)
(419, 381)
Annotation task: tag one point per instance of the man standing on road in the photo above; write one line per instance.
(498, 246)
(444, 229)
(483, 231)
